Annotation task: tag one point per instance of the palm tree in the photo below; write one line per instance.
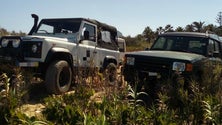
(168, 28)
(160, 30)
(189, 28)
(198, 26)
(179, 29)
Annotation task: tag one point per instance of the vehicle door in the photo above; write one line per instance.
(87, 54)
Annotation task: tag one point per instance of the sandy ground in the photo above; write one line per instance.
(34, 101)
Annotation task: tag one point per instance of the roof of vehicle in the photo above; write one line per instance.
(103, 26)
(192, 34)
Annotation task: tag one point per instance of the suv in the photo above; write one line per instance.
(54, 48)
(173, 53)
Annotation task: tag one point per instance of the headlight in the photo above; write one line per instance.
(34, 48)
(15, 43)
(5, 42)
(130, 60)
(179, 66)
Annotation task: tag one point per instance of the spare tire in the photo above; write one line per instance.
(58, 77)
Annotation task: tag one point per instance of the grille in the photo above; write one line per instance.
(153, 64)
(27, 49)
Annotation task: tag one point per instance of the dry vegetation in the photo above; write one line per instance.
(94, 101)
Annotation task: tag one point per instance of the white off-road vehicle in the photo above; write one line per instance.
(55, 48)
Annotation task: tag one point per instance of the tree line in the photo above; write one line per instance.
(148, 35)
(4, 32)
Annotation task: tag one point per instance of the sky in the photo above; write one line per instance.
(130, 17)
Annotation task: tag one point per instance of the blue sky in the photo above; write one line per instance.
(129, 16)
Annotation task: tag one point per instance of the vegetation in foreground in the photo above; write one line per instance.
(96, 102)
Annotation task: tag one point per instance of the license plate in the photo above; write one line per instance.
(152, 74)
(8, 58)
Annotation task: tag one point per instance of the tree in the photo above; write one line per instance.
(209, 27)
(160, 30)
(218, 31)
(189, 28)
(198, 26)
(149, 34)
(179, 29)
(219, 18)
(140, 37)
(3, 32)
(131, 41)
(168, 28)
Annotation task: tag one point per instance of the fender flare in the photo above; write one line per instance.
(56, 52)
(109, 59)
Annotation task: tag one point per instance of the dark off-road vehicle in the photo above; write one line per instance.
(55, 48)
(173, 53)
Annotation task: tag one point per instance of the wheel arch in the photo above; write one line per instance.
(109, 59)
(57, 53)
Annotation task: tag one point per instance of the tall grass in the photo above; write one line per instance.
(96, 102)
(13, 94)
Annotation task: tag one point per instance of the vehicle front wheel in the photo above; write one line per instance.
(58, 77)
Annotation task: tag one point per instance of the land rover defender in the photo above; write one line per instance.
(55, 48)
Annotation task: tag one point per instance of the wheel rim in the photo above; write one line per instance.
(64, 77)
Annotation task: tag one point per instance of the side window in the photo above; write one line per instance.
(89, 32)
(211, 47)
(106, 41)
(214, 47)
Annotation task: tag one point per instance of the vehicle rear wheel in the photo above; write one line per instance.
(111, 72)
(58, 77)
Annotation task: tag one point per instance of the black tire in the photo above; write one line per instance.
(58, 77)
(111, 72)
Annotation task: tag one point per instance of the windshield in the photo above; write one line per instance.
(181, 43)
(53, 26)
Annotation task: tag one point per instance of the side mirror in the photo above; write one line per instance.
(86, 35)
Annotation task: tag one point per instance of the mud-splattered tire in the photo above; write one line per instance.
(58, 77)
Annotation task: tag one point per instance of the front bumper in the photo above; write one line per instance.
(28, 64)
(15, 62)
(132, 74)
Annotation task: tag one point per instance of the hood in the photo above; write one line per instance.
(168, 54)
(54, 38)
